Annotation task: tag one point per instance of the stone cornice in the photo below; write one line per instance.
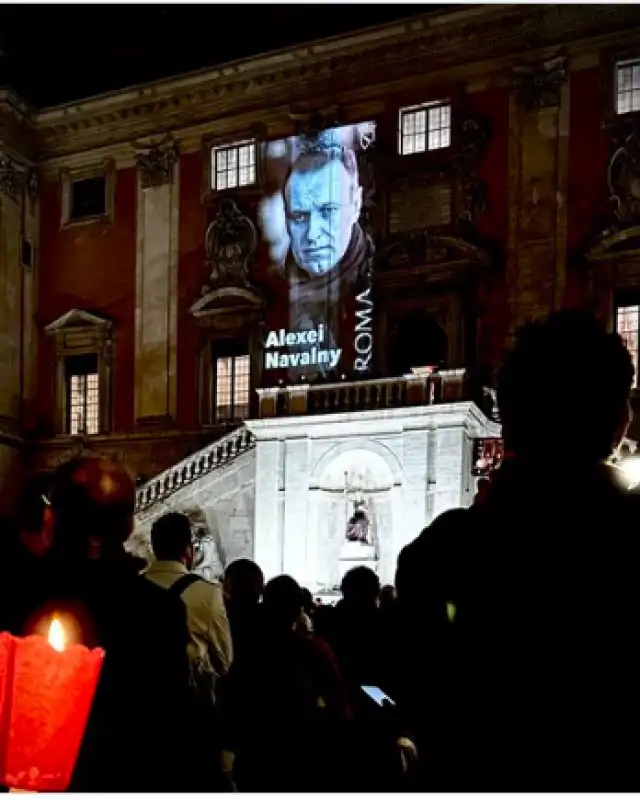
(353, 69)
(17, 127)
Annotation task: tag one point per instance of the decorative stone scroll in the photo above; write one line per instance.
(230, 244)
(156, 163)
(539, 87)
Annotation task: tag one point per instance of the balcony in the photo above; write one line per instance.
(423, 387)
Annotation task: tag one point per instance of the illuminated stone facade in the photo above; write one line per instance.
(511, 219)
(286, 495)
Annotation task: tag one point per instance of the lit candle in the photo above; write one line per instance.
(46, 691)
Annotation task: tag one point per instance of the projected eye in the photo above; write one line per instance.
(329, 211)
(298, 216)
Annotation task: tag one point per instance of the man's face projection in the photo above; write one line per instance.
(323, 205)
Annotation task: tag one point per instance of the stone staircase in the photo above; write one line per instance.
(215, 456)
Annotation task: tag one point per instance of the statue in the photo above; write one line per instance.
(358, 524)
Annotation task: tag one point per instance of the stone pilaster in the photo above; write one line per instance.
(451, 487)
(538, 166)
(296, 511)
(270, 488)
(16, 296)
(157, 285)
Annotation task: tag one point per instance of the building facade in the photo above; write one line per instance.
(137, 299)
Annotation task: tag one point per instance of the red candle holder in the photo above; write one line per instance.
(46, 691)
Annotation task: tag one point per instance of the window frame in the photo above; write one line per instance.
(232, 354)
(428, 106)
(219, 147)
(80, 334)
(619, 64)
(105, 170)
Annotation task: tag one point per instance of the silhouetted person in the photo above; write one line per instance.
(287, 703)
(356, 630)
(482, 490)
(137, 735)
(533, 686)
(243, 587)
(387, 597)
(210, 650)
(353, 629)
(26, 539)
(34, 519)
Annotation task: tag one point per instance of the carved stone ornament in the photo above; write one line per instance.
(156, 163)
(12, 176)
(230, 244)
(539, 87)
(623, 174)
(474, 138)
(32, 185)
(420, 248)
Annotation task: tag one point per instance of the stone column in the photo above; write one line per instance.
(538, 175)
(157, 285)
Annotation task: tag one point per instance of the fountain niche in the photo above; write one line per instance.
(355, 517)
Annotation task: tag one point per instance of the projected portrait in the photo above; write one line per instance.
(313, 221)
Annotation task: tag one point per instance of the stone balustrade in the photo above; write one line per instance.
(416, 389)
(212, 457)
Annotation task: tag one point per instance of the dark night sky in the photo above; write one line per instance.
(54, 54)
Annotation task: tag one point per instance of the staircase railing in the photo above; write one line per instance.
(212, 457)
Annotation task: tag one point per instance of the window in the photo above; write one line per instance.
(423, 128)
(628, 86)
(87, 195)
(88, 198)
(233, 166)
(84, 356)
(232, 387)
(628, 326)
(83, 395)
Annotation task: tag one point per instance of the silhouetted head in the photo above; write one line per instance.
(481, 490)
(243, 582)
(387, 596)
(360, 587)
(565, 380)
(283, 602)
(92, 504)
(307, 601)
(172, 539)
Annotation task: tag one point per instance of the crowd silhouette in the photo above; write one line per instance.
(503, 659)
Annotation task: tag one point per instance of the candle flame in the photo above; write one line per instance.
(56, 637)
